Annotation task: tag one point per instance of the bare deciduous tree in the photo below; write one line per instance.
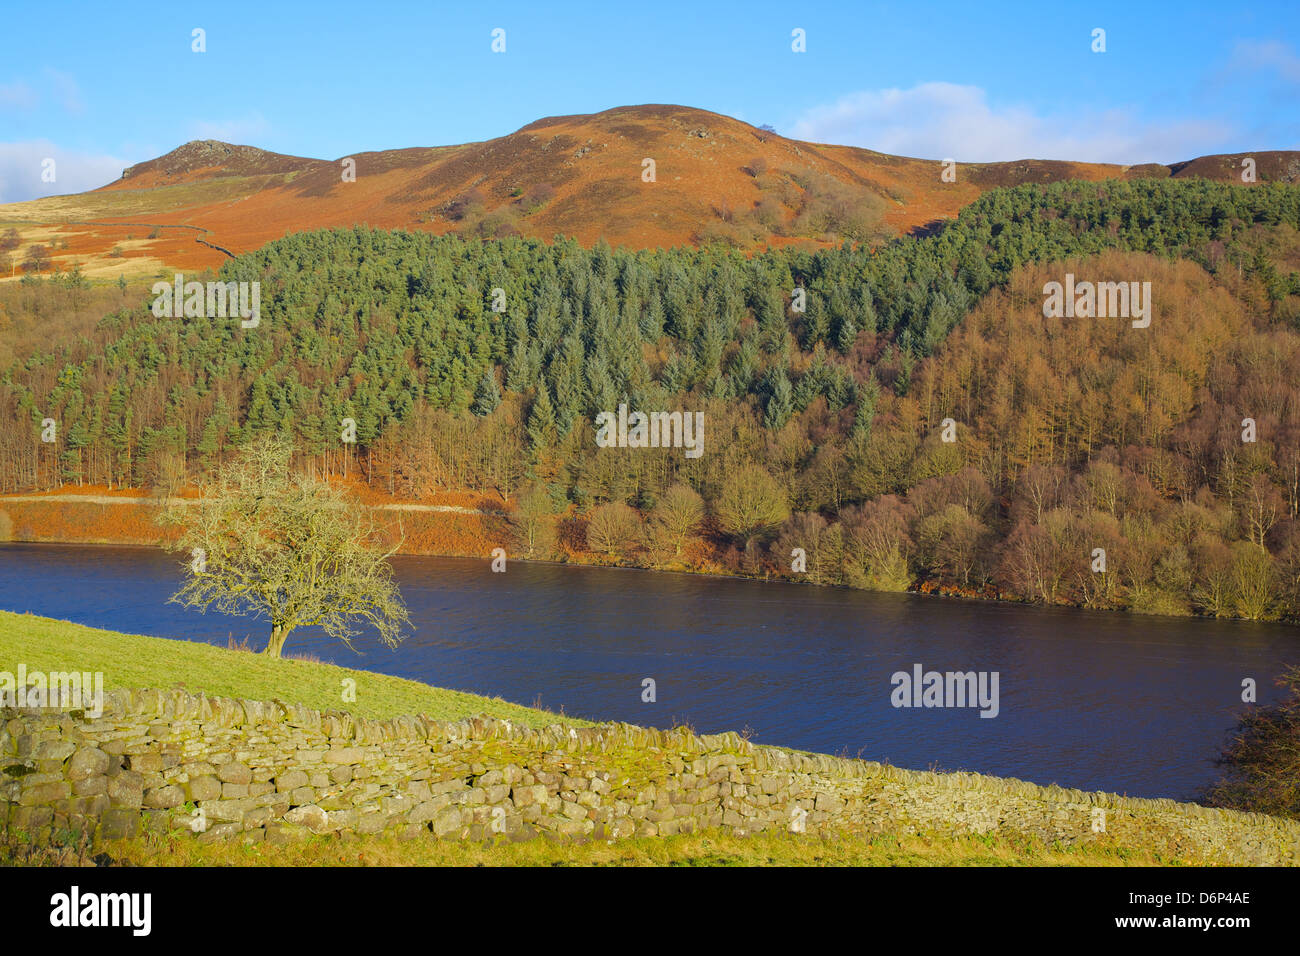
(676, 515)
(290, 548)
(1261, 508)
(533, 523)
(613, 529)
(38, 259)
(751, 502)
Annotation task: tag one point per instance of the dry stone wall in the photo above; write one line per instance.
(255, 770)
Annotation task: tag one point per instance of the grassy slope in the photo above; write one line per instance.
(130, 660)
(711, 848)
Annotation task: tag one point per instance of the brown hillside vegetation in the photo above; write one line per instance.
(581, 176)
(1084, 433)
(1038, 390)
(97, 515)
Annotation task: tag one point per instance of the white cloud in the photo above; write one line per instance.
(74, 171)
(1252, 56)
(18, 96)
(239, 131)
(66, 91)
(947, 120)
(57, 86)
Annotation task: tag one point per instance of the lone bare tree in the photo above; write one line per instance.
(287, 547)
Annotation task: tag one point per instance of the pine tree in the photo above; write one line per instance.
(846, 333)
(541, 420)
(780, 402)
(487, 396)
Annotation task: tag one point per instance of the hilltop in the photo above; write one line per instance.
(716, 178)
(208, 159)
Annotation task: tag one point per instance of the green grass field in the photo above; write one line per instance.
(131, 660)
(709, 848)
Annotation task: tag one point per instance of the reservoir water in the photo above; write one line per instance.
(1098, 701)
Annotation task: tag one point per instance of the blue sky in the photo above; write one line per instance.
(101, 85)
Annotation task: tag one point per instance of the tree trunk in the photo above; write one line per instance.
(278, 635)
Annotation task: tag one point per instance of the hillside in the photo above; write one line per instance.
(134, 660)
(579, 176)
(823, 424)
